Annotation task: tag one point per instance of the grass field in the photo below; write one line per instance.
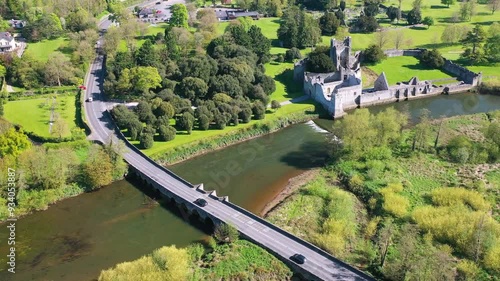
(42, 50)
(402, 69)
(34, 114)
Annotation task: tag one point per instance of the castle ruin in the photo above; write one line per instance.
(343, 89)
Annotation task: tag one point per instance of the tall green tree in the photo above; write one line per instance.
(146, 54)
(179, 16)
(328, 24)
(97, 168)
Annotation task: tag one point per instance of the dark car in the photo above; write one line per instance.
(201, 202)
(298, 258)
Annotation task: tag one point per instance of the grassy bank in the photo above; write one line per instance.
(240, 260)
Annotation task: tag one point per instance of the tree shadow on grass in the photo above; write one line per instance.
(435, 7)
(292, 88)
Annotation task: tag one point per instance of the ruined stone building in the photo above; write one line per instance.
(343, 89)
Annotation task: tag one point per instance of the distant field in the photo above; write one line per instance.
(42, 50)
(399, 69)
(34, 114)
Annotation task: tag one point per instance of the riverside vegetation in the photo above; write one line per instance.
(406, 203)
(225, 258)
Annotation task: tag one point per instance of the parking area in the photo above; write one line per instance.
(162, 9)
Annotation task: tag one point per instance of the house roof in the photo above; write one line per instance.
(245, 14)
(147, 11)
(6, 36)
(220, 14)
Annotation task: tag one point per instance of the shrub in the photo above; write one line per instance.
(320, 62)
(394, 203)
(225, 233)
(258, 110)
(275, 104)
(432, 58)
(146, 140)
(292, 54)
(203, 122)
(167, 133)
(459, 196)
(373, 54)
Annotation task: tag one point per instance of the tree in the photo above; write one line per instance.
(373, 54)
(382, 38)
(370, 8)
(399, 38)
(432, 59)
(275, 104)
(146, 140)
(192, 88)
(367, 24)
(79, 20)
(328, 23)
(167, 133)
(474, 38)
(292, 54)
(58, 69)
(492, 48)
(226, 233)
(448, 2)
(59, 128)
(414, 16)
(259, 43)
(422, 131)
(392, 13)
(146, 55)
(186, 122)
(179, 16)
(203, 122)
(258, 110)
(428, 21)
(298, 29)
(454, 33)
(309, 31)
(165, 109)
(494, 5)
(97, 168)
(13, 142)
(320, 63)
(144, 78)
(467, 10)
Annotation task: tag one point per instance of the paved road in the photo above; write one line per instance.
(320, 264)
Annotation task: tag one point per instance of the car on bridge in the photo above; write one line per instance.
(201, 202)
(298, 258)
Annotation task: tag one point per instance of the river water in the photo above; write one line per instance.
(78, 237)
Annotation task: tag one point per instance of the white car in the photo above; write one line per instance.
(90, 99)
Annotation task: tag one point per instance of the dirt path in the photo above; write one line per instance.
(293, 184)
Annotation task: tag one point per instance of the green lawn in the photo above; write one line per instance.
(402, 69)
(34, 114)
(282, 73)
(41, 50)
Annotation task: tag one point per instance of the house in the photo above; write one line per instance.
(252, 14)
(7, 42)
(227, 14)
(17, 23)
(147, 13)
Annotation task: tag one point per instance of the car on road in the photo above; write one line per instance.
(201, 202)
(90, 99)
(158, 3)
(298, 258)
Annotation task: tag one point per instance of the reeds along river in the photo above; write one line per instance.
(76, 238)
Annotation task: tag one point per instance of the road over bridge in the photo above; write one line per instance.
(319, 265)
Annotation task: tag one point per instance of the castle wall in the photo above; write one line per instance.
(462, 73)
(299, 70)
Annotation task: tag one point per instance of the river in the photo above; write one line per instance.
(76, 238)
